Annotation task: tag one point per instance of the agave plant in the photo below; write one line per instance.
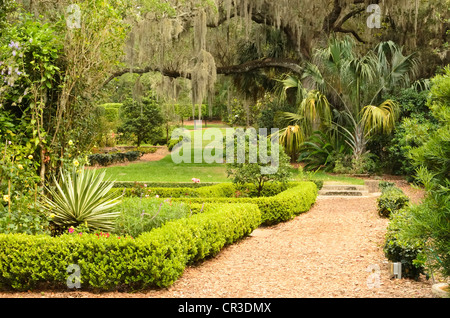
(83, 197)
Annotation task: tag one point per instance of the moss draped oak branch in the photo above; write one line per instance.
(287, 64)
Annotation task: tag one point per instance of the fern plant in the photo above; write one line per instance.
(83, 197)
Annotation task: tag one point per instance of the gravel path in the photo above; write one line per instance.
(327, 252)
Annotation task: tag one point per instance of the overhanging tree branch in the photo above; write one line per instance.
(287, 64)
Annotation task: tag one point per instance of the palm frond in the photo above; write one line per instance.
(380, 118)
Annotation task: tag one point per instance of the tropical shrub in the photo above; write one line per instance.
(319, 152)
(410, 131)
(430, 221)
(344, 91)
(409, 134)
(82, 197)
(347, 164)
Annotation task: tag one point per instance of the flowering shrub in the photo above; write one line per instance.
(19, 186)
(195, 180)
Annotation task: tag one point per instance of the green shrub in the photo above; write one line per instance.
(406, 252)
(153, 259)
(429, 223)
(287, 204)
(112, 158)
(146, 150)
(385, 184)
(173, 142)
(392, 199)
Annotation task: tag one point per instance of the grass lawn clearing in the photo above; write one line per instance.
(165, 170)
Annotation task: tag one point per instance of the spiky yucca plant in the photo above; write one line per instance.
(83, 197)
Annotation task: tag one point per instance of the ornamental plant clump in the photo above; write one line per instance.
(83, 197)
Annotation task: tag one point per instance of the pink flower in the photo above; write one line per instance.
(71, 230)
(157, 196)
(195, 180)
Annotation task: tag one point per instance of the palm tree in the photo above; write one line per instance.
(342, 92)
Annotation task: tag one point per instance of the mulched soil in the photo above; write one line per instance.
(333, 251)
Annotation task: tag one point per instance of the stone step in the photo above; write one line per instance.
(331, 192)
(345, 187)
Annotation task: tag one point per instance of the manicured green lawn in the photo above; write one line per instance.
(166, 170)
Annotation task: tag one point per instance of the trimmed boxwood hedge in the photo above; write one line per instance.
(279, 208)
(151, 184)
(213, 191)
(154, 259)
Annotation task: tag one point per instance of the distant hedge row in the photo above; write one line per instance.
(108, 159)
(154, 259)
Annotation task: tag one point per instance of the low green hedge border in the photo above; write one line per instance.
(151, 184)
(214, 191)
(279, 208)
(154, 259)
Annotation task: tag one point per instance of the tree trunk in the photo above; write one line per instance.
(42, 169)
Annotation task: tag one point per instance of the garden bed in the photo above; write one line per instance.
(324, 253)
(156, 258)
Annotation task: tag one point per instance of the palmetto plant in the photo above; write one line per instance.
(83, 197)
(338, 81)
(317, 152)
